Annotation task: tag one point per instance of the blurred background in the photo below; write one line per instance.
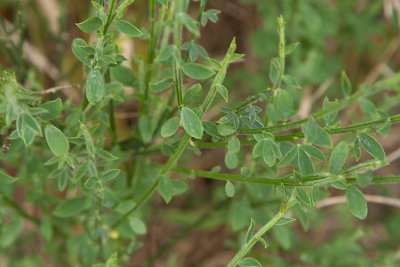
(359, 36)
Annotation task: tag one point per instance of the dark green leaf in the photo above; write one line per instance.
(191, 123)
(338, 157)
(356, 202)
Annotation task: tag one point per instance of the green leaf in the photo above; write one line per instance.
(313, 152)
(291, 81)
(268, 153)
(79, 52)
(145, 129)
(231, 160)
(170, 127)
(234, 144)
(356, 149)
(191, 123)
(197, 71)
(249, 262)
(166, 188)
(250, 230)
(316, 135)
(225, 130)
(167, 52)
(288, 157)
(356, 202)
(54, 109)
(31, 122)
(305, 164)
(338, 157)
(110, 174)
(245, 172)
(180, 187)
(304, 197)
(285, 220)
(372, 146)
(345, 84)
(70, 207)
(330, 117)
(290, 48)
(57, 141)
(137, 226)
(10, 232)
(90, 25)
(274, 69)
(81, 171)
(284, 104)
(127, 28)
(229, 189)
(222, 91)
(364, 178)
(94, 87)
(191, 24)
(160, 86)
(192, 94)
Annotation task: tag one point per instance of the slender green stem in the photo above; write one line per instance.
(109, 17)
(219, 78)
(363, 92)
(257, 236)
(298, 135)
(178, 82)
(281, 51)
(12, 204)
(150, 56)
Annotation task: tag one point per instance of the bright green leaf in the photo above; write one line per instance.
(166, 188)
(305, 164)
(90, 25)
(94, 87)
(372, 146)
(110, 174)
(70, 207)
(127, 28)
(229, 189)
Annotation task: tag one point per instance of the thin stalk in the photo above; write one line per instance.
(299, 135)
(257, 236)
(281, 51)
(113, 132)
(363, 92)
(13, 205)
(150, 57)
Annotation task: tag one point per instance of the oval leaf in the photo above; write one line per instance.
(338, 157)
(170, 127)
(127, 28)
(94, 87)
(197, 71)
(70, 207)
(356, 202)
(56, 140)
(90, 25)
(372, 146)
(229, 189)
(191, 123)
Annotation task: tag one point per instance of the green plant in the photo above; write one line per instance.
(105, 182)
